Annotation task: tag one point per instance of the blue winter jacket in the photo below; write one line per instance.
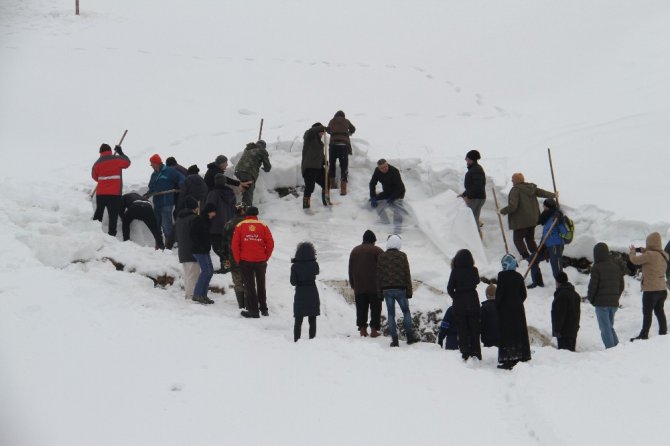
(554, 238)
(165, 179)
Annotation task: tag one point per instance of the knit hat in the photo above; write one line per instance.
(491, 291)
(561, 277)
(550, 203)
(518, 178)
(393, 242)
(171, 161)
(221, 159)
(105, 148)
(473, 155)
(155, 159)
(190, 202)
(219, 179)
(209, 207)
(252, 210)
(260, 143)
(369, 237)
(193, 170)
(508, 262)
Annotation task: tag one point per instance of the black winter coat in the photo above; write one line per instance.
(202, 243)
(312, 149)
(475, 182)
(490, 331)
(392, 185)
(303, 277)
(462, 287)
(223, 198)
(185, 220)
(565, 311)
(606, 284)
(510, 295)
(195, 187)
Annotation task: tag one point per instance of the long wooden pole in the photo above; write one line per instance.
(326, 186)
(260, 131)
(553, 178)
(502, 229)
(76, 8)
(544, 240)
(120, 142)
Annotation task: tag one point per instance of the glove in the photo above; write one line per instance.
(118, 149)
(373, 202)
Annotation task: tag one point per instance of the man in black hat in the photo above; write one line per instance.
(475, 186)
(363, 280)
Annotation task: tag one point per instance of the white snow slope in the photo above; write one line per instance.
(94, 356)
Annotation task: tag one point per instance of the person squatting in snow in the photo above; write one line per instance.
(391, 196)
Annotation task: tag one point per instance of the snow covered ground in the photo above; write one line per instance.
(91, 355)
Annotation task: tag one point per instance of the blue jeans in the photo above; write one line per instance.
(605, 317)
(556, 258)
(400, 296)
(164, 219)
(206, 273)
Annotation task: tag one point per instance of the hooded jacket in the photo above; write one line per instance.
(522, 206)
(252, 159)
(339, 128)
(462, 285)
(654, 262)
(312, 149)
(184, 225)
(223, 198)
(565, 311)
(393, 268)
(304, 269)
(606, 283)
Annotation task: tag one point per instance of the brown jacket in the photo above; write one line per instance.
(522, 206)
(363, 268)
(339, 129)
(654, 262)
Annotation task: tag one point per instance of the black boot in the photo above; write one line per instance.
(249, 314)
(394, 341)
(440, 337)
(412, 338)
(306, 202)
(639, 337)
(240, 299)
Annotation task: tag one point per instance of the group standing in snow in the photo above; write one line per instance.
(203, 215)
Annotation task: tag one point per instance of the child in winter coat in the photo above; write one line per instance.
(448, 331)
(565, 312)
(489, 319)
(304, 270)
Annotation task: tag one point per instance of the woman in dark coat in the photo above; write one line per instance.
(510, 295)
(304, 270)
(462, 287)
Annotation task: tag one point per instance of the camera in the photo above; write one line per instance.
(638, 249)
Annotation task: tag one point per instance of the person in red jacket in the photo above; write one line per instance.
(252, 246)
(107, 172)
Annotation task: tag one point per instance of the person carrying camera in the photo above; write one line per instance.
(654, 261)
(107, 172)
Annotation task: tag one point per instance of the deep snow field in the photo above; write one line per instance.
(94, 356)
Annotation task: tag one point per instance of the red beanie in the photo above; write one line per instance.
(155, 159)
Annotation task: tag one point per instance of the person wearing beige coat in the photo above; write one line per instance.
(653, 261)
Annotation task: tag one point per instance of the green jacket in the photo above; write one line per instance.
(393, 272)
(312, 149)
(522, 206)
(252, 159)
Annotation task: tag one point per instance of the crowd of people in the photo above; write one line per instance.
(203, 215)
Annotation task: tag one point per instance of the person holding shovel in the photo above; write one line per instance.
(163, 182)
